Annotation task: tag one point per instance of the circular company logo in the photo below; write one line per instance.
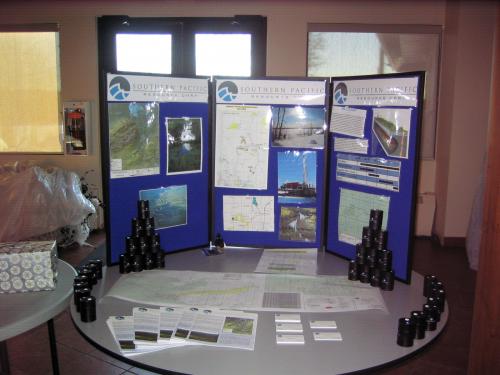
(340, 93)
(119, 88)
(227, 91)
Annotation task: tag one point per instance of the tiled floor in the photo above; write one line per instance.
(29, 353)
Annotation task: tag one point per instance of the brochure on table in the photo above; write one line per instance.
(375, 126)
(155, 142)
(269, 161)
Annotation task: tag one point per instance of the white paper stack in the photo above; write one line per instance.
(150, 329)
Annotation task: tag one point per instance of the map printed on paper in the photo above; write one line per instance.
(354, 213)
(248, 213)
(245, 291)
(242, 146)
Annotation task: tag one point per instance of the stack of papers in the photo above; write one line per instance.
(150, 329)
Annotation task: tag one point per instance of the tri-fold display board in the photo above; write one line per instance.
(269, 161)
(374, 137)
(257, 160)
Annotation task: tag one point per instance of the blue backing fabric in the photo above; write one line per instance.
(123, 193)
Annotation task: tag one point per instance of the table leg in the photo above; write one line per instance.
(4, 359)
(53, 347)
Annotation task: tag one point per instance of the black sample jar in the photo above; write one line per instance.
(353, 271)
(136, 228)
(376, 217)
(149, 262)
(95, 271)
(371, 257)
(364, 274)
(143, 245)
(89, 273)
(367, 233)
(78, 294)
(406, 332)
(143, 209)
(375, 277)
(387, 281)
(384, 260)
(138, 263)
(83, 279)
(381, 240)
(124, 264)
(419, 320)
(429, 281)
(87, 309)
(131, 243)
(98, 264)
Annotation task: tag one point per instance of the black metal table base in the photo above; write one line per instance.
(4, 354)
(4, 359)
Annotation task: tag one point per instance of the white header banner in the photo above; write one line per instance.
(399, 92)
(245, 91)
(133, 88)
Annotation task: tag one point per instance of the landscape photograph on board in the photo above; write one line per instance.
(391, 128)
(134, 139)
(297, 224)
(297, 177)
(168, 205)
(298, 126)
(184, 145)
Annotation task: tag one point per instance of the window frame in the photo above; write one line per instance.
(43, 27)
(183, 30)
(391, 29)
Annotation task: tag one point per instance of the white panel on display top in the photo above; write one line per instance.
(130, 88)
(246, 91)
(399, 92)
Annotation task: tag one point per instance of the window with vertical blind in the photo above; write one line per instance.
(30, 107)
(356, 49)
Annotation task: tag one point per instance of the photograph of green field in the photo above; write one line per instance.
(203, 336)
(184, 145)
(146, 336)
(240, 326)
(298, 224)
(167, 205)
(134, 135)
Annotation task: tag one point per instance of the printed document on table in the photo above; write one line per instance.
(291, 261)
(245, 291)
(122, 329)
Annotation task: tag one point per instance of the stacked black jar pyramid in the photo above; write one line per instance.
(373, 261)
(142, 247)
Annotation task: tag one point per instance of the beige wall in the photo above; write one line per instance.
(464, 107)
(286, 56)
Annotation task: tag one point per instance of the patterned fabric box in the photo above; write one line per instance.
(28, 266)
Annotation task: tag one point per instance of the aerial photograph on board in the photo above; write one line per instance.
(134, 136)
(168, 205)
(298, 126)
(184, 147)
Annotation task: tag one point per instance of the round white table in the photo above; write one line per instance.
(369, 336)
(20, 312)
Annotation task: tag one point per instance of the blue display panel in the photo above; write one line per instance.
(156, 148)
(374, 136)
(269, 162)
